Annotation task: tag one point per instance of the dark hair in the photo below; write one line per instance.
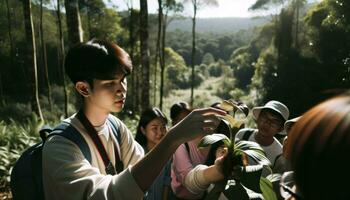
(178, 108)
(318, 146)
(146, 117)
(211, 157)
(275, 114)
(96, 59)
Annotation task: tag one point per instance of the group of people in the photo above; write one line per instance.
(162, 163)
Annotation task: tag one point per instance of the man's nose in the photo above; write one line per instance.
(121, 89)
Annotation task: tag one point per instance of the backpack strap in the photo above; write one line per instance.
(187, 148)
(119, 166)
(115, 129)
(69, 132)
(247, 134)
(277, 157)
(188, 151)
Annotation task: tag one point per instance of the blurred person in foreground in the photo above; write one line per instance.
(318, 146)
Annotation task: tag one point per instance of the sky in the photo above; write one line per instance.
(226, 8)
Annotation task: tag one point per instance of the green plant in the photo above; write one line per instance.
(15, 137)
(242, 181)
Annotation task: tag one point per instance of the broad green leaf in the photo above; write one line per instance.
(234, 123)
(267, 189)
(226, 105)
(232, 105)
(254, 196)
(254, 151)
(213, 138)
(236, 191)
(216, 191)
(274, 177)
(257, 157)
(250, 177)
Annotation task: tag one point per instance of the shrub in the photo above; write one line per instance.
(15, 137)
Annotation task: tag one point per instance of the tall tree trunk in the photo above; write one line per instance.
(61, 58)
(75, 32)
(144, 54)
(162, 61)
(158, 49)
(31, 57)
(194, 2)
(44, 56)
(1, 90)
(297, 24)
(134, 95)
(10, 34)
(88, 14)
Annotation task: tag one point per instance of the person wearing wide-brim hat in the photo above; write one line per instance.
(289, 124)
(270, 120)
(282, 163)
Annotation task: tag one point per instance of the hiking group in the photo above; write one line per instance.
(93, 155)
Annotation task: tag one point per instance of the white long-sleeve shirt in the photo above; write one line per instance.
(68, 175)
(196, 182)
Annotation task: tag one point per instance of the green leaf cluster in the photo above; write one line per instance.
(242, 181)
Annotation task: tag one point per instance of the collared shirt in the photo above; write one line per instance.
(68, 175)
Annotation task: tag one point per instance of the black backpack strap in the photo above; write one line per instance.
(247, 134)
(69, 132)
(115, 129)
(188, 150)
(277, 157)
(119, 166)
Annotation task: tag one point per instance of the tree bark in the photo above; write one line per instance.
(194, 2)
(61, 58)
(162, 62)
(75, 32)
(297, 24)
(44, 57)
(158, 50)
(134, 95)
(144, 54)
(1, 89)
(31, 57)
(10, 34)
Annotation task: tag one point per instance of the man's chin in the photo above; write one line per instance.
(117, 108)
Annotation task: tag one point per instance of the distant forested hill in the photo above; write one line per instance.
(226, 24)
(217, 25)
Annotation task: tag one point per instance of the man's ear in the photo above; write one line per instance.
(83, 88)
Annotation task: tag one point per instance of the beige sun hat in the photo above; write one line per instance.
(273, 105)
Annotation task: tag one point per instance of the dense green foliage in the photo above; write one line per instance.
(298, 65)
(272, 66)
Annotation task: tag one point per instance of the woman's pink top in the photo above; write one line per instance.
(182, 164)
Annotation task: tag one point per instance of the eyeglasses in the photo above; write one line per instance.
(274, 123)
(288, 187)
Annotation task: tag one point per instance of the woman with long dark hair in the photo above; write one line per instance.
(150, 130)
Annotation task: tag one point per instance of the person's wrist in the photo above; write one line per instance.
(173, 139)
(218, 171)
(213, 174)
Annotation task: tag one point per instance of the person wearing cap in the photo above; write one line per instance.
(270, 120)
(186, 157)
(282, 164)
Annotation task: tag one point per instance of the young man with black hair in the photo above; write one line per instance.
(98, 70)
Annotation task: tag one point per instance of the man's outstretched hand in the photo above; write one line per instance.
(199, 122)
